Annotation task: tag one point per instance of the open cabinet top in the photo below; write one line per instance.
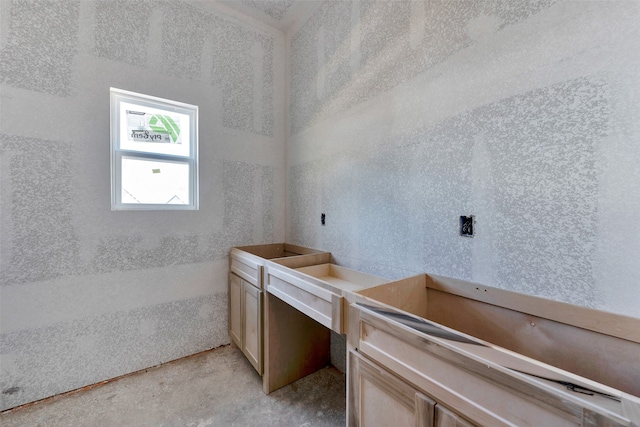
(603, 347)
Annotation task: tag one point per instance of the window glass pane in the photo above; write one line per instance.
(153, 130)
(154, 182)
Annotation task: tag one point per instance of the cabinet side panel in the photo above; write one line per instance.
(381, 398)
(295, 344)
(379, 408)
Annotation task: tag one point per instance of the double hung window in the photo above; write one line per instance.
(154, 153)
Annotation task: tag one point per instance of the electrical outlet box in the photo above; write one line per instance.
(323, 219)
(466, 226)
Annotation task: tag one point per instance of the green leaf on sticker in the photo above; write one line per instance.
(164, 124)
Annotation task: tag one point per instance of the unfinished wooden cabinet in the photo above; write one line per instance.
(598, 345)
(465, 380)
(246, 292)
(303, 305)
(394, 333)
(317, 290)
(435, 351)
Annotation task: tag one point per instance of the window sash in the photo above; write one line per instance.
(117, 191)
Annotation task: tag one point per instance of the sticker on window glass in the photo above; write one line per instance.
(146, 127)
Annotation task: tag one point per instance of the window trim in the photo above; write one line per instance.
(117, 153)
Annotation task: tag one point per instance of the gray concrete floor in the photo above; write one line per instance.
(215, 388)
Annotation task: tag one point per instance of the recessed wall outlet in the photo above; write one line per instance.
(323, 219)
(466, 226)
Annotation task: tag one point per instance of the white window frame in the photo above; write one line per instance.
(118, 153)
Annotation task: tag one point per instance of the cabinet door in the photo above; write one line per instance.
(446, 418)
(379, 398)
(235, 309)
(252, 325)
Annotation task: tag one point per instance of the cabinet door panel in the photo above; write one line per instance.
(379, 398)
(446, 418)
(380, 408)
(235, 309)
(252, 325)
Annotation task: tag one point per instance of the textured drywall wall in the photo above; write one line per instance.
(88, 294)
(404, 115)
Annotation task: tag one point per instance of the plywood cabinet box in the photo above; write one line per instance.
(317, 290)
(431, 350)
(434, 351)
(303, 304)
(246, 292)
